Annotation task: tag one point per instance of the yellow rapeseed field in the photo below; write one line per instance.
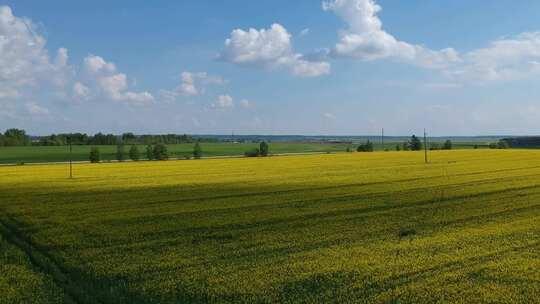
(336, 228)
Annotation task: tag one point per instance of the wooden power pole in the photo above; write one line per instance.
(382, 139)
(425, 147)
(70, 158)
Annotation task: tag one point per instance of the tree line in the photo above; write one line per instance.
(14, 137)
(415, 144)
(19, 137)
(160, 152)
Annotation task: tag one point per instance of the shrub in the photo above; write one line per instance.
(149, 152)
(263, 148)
(253, 153)
(134, 154)
(447, 145)
(503, 144)
(120, 153)
(160, 152)
(415, 143)
(367, 147)
(406, 146)
(95, 156)
(197, 151)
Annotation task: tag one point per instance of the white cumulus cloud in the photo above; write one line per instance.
(80, 91)
(505, 59)
(365, 38)
(192, 84)
(24, 60)
(112, 84)
(270, 48)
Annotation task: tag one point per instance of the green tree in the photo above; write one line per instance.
(263, 148)
(367, 147)
(447, 145)
(149, 152)
(406, 146)
(160, 152)
(197, 151)
(134, 153)
(95, 156)
(120, 152)
(398, 147)
(503, 144)
(253, 153)
(129, 138)
(16, 137)
(434, 146)
(415, 143)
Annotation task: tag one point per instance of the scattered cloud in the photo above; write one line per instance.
(329, 116)
(80, 91)
(36, 110)
(366, 40)
(187, 87)
(189, 79)
(304, 32)
(503, 60)
(223, 101)
(95, 64)
(24, 61)
(439, 86)
(110, 83)
(192, 84)
(245, 103)
(270, 48)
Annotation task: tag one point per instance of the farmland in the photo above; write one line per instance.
(43, 154)
(348, 227)
(37, 154)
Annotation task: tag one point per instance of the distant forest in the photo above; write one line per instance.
(18, 137)
(523, 142)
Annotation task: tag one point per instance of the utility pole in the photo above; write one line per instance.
(382, 139)
(425, 147)
(70, 158)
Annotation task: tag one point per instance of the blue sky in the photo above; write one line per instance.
(346, 67)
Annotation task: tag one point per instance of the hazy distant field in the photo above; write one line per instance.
(336, 228)
(37, 154)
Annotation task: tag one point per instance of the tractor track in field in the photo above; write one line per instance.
(44, 263)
